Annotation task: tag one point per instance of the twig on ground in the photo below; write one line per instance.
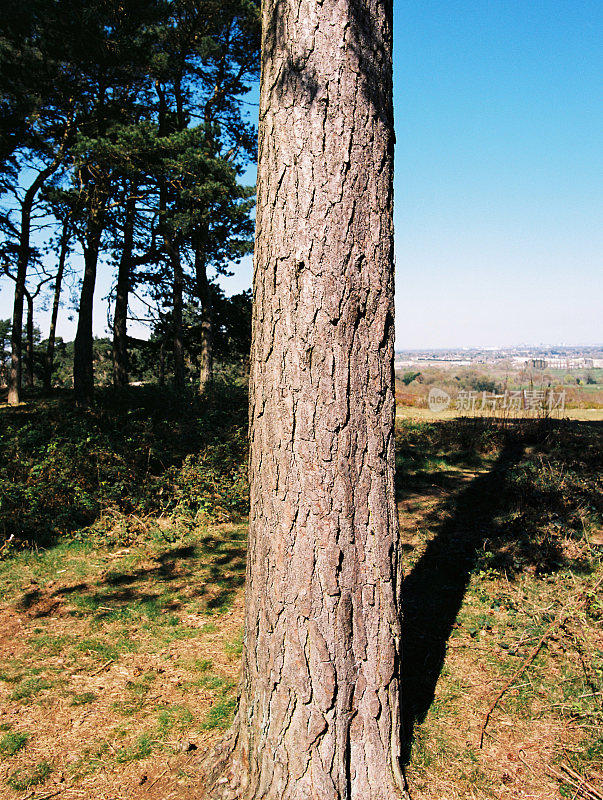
(576, 781)
(519, 671)
(158, 778)
(557, 622)
(47, 796)
(102, 666)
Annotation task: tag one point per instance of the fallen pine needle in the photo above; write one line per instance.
(559, 619)
(576, 781)
(103, 666)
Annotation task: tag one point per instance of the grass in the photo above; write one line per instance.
(25, 778)
(30, 687)
(130, 618)
(221, 714)
(12, 742)
(142, 748)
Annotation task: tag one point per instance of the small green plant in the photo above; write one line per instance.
(83, 698)
(29, 687)
(142, 748)
(235, 648)
(23, 779)
(173, 717)
(138, 691)
(220, 714)
(53, 645)
(12, 742)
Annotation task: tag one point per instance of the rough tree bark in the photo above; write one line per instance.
(161, 373)
(206, 359)
(120, 318)
(16, 365)
(14, 377)
(29, 345)
(319, 714)
(177, 306)
(83, 354)
(49, 355)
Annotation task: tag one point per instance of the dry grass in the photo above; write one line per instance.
(550, 715)
(425, 414)
(118, 664)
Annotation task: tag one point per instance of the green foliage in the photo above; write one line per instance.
(23, 779)
(142, 748)
(409, 377)
(83, 698)
(12, 742)
(221, 714)
(482, 384)
(147, 451)
(29, 687)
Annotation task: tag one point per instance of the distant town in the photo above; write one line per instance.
(541, 357)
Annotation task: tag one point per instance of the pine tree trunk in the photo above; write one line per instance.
(161, 375)
(83, 353)
(29, 346)
(120, 320)
(16, 362)
(14, 377)
(206, 356)
(49, 356)
(177, 305)
(319, 714)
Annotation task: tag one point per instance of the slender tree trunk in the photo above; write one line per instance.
(14, 378)
(206, 357)
(319, 715)
(83, 355)
(29, 346)
(120, 320)
(161, 376)
(49, 356)
(14, 375)
(177, 306)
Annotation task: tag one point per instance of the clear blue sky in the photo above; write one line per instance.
(499, 174)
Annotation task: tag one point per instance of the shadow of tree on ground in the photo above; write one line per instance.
(432, 593)
(505, 517)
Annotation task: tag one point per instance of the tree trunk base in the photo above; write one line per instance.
(219, 779)
(223, 779)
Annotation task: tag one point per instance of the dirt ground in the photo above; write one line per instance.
(118, 665)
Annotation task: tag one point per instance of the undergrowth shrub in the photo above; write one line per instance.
(146, 451)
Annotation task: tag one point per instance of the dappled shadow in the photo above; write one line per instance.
(211, 571)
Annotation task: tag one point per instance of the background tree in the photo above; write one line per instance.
(132, 125)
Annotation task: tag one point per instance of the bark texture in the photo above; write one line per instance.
(49, 355)
(16, 361)
(83, 353)
(120, 318)
(319, 713)
(29, 345)
(206, 355)
(177, 307)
